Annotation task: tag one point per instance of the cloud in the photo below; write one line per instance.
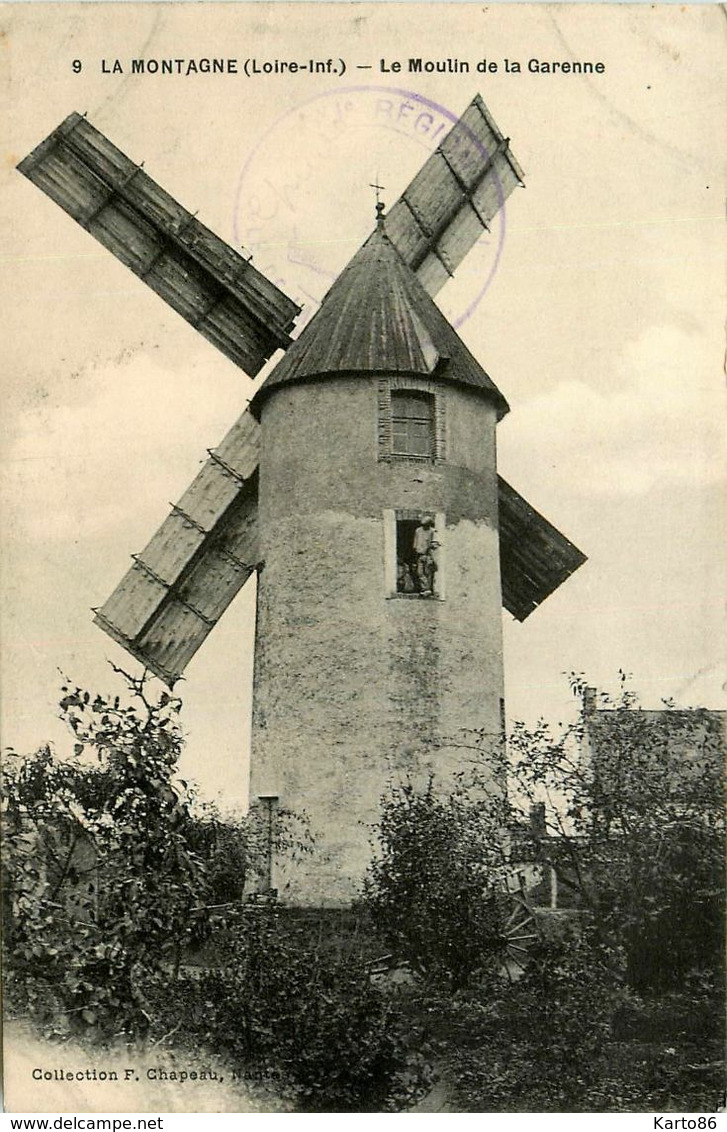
(110, 446)
(660, 422)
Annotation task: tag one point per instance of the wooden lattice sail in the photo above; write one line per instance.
(454, 196)
(199, 559)
(232, 304)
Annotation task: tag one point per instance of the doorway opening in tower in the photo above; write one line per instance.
(416, 555)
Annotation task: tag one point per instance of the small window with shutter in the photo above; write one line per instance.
(412, 420)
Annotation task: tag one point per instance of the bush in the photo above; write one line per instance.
(535, 1045)
(303, 1015)
(112, 872)
(437, 888)
(569, 1037)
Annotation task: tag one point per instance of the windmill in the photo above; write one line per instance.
(360, 485)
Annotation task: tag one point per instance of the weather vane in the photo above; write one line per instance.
(380, 206)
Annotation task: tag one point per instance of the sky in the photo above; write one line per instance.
(596, 305)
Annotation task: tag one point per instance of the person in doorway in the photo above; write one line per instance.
(424, 545)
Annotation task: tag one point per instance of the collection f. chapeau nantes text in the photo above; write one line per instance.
(149, 1073)
(254, 67)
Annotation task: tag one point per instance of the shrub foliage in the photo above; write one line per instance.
(437, 886)
(303, 1013)
(107, 869)
(114, 875)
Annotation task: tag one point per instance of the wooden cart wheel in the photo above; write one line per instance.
(520, 935)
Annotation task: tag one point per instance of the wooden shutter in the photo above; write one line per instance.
(412, 419)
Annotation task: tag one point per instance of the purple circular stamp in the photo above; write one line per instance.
(304, 200)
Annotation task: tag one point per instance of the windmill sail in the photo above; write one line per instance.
(214, 288)
(198, 560)
(535, 558)
(453, 197)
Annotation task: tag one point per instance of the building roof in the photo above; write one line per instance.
(377, 317)
(638, 747)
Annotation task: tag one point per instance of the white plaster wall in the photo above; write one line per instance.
(352, 686)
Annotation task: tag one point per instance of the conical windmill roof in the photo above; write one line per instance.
(377, 317)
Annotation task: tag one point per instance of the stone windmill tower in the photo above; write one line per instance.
(361, 484)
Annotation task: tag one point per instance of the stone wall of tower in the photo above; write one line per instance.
(352, 685)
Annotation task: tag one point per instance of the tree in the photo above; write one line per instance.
(635, 827)
(108, 872)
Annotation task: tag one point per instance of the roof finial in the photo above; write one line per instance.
(380, 206)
